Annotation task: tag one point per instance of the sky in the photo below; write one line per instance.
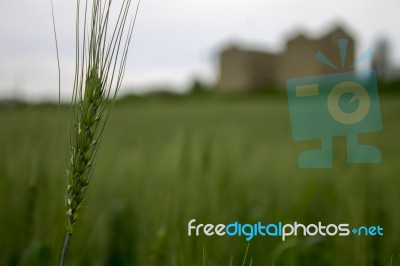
(176, 41)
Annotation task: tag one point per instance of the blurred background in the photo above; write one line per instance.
(201, 130)
(178, 41)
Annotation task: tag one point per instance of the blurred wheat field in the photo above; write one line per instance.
(165, 161)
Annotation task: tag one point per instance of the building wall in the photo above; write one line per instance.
(242, 70)
(234, 70)
(297, 60)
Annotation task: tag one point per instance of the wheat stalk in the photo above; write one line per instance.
(102, 46)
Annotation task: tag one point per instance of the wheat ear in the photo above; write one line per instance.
(102, 46)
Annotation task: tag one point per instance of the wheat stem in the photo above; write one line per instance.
(65, 248)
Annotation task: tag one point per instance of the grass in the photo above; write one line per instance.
(166, 161)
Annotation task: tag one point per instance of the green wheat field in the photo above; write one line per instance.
(166, 160)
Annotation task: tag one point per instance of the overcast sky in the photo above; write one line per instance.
(176, 40)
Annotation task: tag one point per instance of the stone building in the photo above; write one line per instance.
(244, 70)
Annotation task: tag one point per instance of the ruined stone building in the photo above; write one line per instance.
(244, 70)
